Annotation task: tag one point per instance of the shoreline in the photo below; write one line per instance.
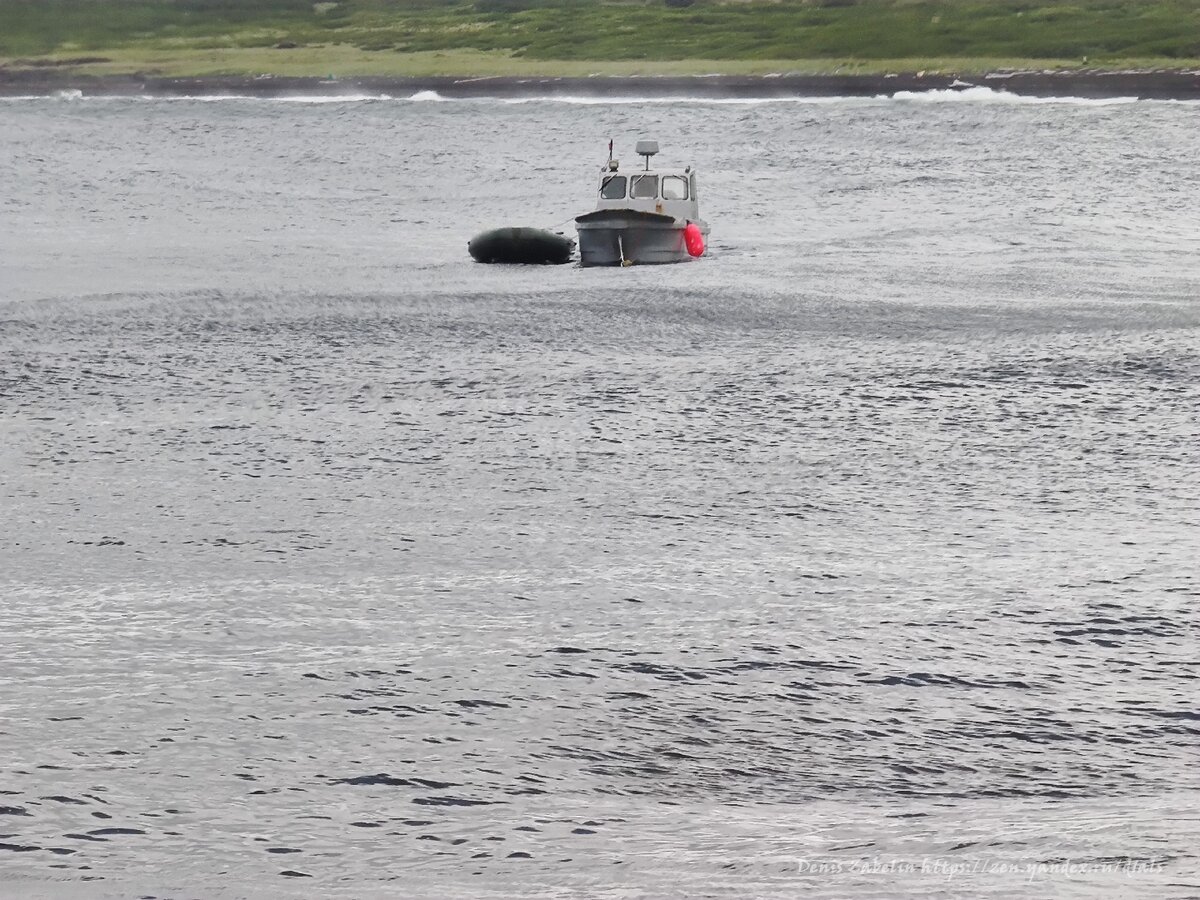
(1088, 84)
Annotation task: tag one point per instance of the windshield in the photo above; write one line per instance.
(674, 187)
(645, 187)
(613, 187)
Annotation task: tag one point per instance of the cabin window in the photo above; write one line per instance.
(613, 188)
(692, 181)
(645, 187)
(674, 187)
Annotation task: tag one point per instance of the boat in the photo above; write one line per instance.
(521, 245)
(642, 217)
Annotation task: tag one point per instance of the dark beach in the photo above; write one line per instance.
(1147, 85)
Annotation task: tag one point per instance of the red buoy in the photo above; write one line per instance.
(693, 239)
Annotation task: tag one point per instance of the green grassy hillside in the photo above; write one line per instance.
(557, 36)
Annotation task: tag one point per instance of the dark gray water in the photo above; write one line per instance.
(857, 559)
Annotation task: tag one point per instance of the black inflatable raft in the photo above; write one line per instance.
(521, 245)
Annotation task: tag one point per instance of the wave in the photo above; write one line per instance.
(963, 94)
(331, 98)
(298, 98)
(426, 97)
(971, 94)
(979, 94)
(77, 95)
(589, 100)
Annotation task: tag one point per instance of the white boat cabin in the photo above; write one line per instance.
(668, 192)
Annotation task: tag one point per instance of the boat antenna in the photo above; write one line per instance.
(610, 149)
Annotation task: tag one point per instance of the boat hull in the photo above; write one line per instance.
(629, 237)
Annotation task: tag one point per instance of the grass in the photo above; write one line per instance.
(342, 61)
(581, 37)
